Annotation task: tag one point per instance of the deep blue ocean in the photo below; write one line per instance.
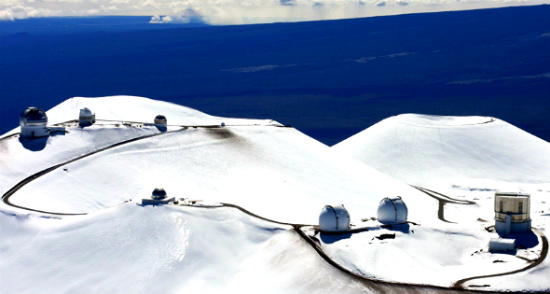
(328, 79)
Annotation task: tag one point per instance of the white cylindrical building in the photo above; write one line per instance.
(334, 218)
(34, 123)
(86, 117)
(512, 213)
(392, 211)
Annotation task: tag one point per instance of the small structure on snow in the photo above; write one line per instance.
(502, 245)
(512, 213)
(33, 123)
(392, 211)
(158, 197)
(158, 194)
(160, 120)
(334, 218)
(86, 117)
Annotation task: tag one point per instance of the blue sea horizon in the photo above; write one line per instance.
(328, 79)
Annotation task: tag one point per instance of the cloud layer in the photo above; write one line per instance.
(240, 11)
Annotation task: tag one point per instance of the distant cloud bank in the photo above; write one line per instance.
(222, 12)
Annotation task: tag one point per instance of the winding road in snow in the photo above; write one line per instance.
(21, 184)
(543, 254)
(380, 285)
(24, 182)
(443, 199)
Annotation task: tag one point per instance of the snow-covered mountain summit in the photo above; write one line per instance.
(248, 197)
(420, 149)
(273, 170)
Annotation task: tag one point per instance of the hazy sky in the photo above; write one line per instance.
(239, 11)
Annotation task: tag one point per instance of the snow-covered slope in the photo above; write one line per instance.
(133, 249)
(21, 158)
(467, 158)
(273, 171)
(422, 149)
(138, 109)
(277, 172)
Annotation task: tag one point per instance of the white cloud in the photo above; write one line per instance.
(240, 11)
(6, 15)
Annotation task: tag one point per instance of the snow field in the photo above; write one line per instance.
(277, 173)
(163, 249)
(426, 150)
(465, 158)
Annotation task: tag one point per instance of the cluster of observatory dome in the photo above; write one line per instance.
(34, 122)
(333, 218)
(336, 218)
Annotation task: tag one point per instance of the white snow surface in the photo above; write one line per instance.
(422, 150)
(466, 158)
(133, 249)
(275, 172)
(138, 109)
(278, 173)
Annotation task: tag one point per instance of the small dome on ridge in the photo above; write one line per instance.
(33, 116)
(392, 211)
(334, 218)
(158, 193)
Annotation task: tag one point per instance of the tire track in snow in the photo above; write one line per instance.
(442, 199)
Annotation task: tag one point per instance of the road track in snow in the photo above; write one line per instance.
(539, 260)
(442, 200)
(6, 196)
(24, 182)
(379, 285)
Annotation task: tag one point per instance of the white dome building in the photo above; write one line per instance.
(392, 211)
(334, 218)
(86, 117)
(33, 123)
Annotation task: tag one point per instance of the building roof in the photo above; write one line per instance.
(33, 116)
(512, 194)
(85, 112)
(334, 218)
(392, 210)
(158, 193)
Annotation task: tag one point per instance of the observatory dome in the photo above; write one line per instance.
(33, 116)
(160, 120)
(158, 193)
(85, 112)
(86, 117)
(392, 211)
(334, 218)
